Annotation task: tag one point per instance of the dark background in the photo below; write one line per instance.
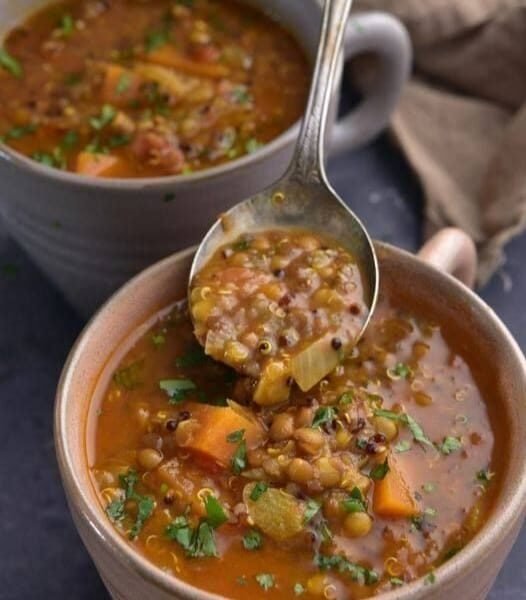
(41, 556)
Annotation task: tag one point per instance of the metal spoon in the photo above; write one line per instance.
(303, 197)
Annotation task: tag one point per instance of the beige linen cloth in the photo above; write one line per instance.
(462, 119)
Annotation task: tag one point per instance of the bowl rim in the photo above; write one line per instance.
(485, 541)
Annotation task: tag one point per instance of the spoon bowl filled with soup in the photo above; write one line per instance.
(127, 126)
(400, 474)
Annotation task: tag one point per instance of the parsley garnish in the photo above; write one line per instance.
(241, 245)
(449, 445)
(198, 542)
(66, 25)
(116, 510)
(402, 446)
(346, 398)
(414, 427)
(17, 132)
(396, 581)
(400, 371)
(123, 84)
(106, 116)
(266, 580)
(259, 489)
(342, 565)
(177, 389)
(239, 458)
(70, 139)
(235, 436)
(311, 509)
(156, 39)
(215, 515)
(252, 540)
(299, 589)
(129, 377)
(324, 414)
(121, 139)
(355, 502)
(10, 64)
(379, 471)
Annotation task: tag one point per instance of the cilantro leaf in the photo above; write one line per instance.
(400, 371)
(355, 502)
(156, 39)
(239, 458)
(215, 514)
(10, 64)
(346, 398)
(402, 446)
(311, 510)
(145, 506)
(67, 25)
(379, 471)
(123, 84)
(198, 542)
(235, 436)
(115, 510)
(129, 377)
(266, 580)
(299, 589)
(449, 445)
(259, 489)
(177, 389)
(106, 116)
(252, 540)
(324, 414)
(341, 564)
(404, 418)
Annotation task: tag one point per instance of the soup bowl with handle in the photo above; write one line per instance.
(90, 235)
(428, 283)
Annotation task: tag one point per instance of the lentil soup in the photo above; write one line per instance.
(379, 474)
(280, 306)
(130, 88)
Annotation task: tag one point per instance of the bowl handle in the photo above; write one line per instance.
(385, 36)
(453, 251)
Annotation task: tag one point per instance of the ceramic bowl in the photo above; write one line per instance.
(468, 575)
(91, 235)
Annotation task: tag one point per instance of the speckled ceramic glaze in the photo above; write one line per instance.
(467, 576)
(90, 235)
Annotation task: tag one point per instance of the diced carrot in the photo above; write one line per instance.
(392, 498)
(100, 165)
(209, 440)
(169, 57)
(120, 85)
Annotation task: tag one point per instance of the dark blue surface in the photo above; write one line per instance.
(41, 556)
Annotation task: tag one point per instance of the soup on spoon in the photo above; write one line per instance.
(281, 306)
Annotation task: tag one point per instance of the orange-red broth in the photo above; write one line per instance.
(453, 492)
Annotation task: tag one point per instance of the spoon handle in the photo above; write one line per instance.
(308, 161)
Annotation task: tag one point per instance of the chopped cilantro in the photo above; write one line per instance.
(430, 578)
(252, 540)
(396, 581)
(123, 84)
(129, 377)
(70, 139)
(485, 476)
(53, 159)
(67, 26)
(355, 502)
(156, 39)
(17, 132)
(241, 245)
(259, 489)
(215, 514)
(241, 95)
(121, 139)
(379, 471)
(266, 580)
(361, 443)
(298, 589)
(343, 565)
(449, 445)
(252, 145)
(346, 398)
(10, 64)
(400, 371)
(235, 436)
(324, 414)
(106, 116)
(311, 509)
(414, 427)
(145, 506)
(403, 446)
(198, 542)
(193, 358)
(177, 389)
(115, 510)
(158, 339)
(238, 461)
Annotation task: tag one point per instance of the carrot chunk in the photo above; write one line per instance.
(392, 498)
(99, 165)
(167, 56)
(215, 424)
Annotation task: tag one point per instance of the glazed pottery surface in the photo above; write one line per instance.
(469, 575)
(90, 235)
